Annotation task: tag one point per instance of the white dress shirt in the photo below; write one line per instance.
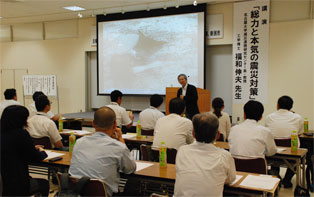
(33, 111)
(174, 130)
(283, 122)
(249, 139)
(184, 89)
(102, 157)
(202, 170)
(41, 125)
(149, 117)
(121, 115)
(6, 103)
(224, 124)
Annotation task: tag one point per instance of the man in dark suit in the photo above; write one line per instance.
(189, 94)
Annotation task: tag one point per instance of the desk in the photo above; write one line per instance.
(152, 176)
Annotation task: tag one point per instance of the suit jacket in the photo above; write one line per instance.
(190, 100)
(17, 150)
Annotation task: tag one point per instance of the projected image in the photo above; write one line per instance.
(144, 56)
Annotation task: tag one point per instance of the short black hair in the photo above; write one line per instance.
(253, 110)
(37, 94)
(285, 102)
(205, 127)
(156, 100)
(114, 95)
(176, 105)
(217, 104)
(9, 93)
(14, 117)
(41, 102)
(184, 75)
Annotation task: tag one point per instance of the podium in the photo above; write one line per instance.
(203, 101)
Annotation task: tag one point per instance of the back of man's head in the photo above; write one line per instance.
(37, 94)
(156, 100)
(104, 118)
(285, 102)
(114, 95)
(41, 102)
(205, 127)
(253, 110)
(9, 94)
(177, 106)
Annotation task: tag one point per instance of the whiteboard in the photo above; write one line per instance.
(45, 83)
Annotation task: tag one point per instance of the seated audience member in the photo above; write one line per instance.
(174, 129)
(224, 119)
(32, 108)
(201, 168)
(248, 139)
(149, 116)
(17, 150)
(281, 124)
(10, 99)
(104, 154)
(40, 125)
(122, 116)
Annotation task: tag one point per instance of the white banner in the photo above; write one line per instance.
(250, 51)
(45, 83)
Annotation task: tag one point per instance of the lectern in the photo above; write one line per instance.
(203, 101)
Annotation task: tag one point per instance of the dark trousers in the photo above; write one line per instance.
(288, 176)
(39, 186)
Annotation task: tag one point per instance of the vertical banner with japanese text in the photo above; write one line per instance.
(45, 83)
(250, 51)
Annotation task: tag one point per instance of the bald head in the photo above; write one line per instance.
(104, 118)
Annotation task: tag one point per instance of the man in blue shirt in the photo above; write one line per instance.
(104, 154)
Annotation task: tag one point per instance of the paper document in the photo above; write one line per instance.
(142, 165)
(125, 136)
(279, 150)
(260, 182)
(52, 154)
(238, 177)
(78, 132)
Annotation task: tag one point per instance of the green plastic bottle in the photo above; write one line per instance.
(60, 121)
(163, 155)
(294, 141)
(138, 130)
(72, 140)
(306, 125)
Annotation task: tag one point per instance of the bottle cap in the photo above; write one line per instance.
(162, 143)
(294, 131)
(72, 133)
(305, 118)
(138, 121)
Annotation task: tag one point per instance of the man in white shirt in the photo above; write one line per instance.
(281, 124)
(149, 116)
(10, 99)
(123, 118)
(249, 139)
(33, 111)
(40, 125)
(104, 154)
(173, 129)
(201, 168)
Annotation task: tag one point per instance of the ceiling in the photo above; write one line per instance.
(26, 11)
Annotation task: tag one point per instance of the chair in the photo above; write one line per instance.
(147, 153)
(94, 187)
(220, 137)
(148, 132)
(44, 141)
(171, 155)
(253, 165)
(283, 142)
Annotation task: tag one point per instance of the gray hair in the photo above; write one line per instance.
(184, 75)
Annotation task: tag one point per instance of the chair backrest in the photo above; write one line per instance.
(148, 132)
(253, 165)
(94, 187)
(44, 141)
(283, 142)
(171, 155)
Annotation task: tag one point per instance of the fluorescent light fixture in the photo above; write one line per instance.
(0, 17)
(74, 8)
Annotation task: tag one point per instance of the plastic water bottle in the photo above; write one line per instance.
(163, 155)
(306, 125)
(294, 141)
(138, 130)
(72, 140)
(60, 121)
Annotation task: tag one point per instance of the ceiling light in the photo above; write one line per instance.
(165, 6)
(93, 15)
(80, 15)
(148, 8)
(74, 8)
(177, 6)
(105, 13)
(0, 17)
(195, 3)
(122, 11)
